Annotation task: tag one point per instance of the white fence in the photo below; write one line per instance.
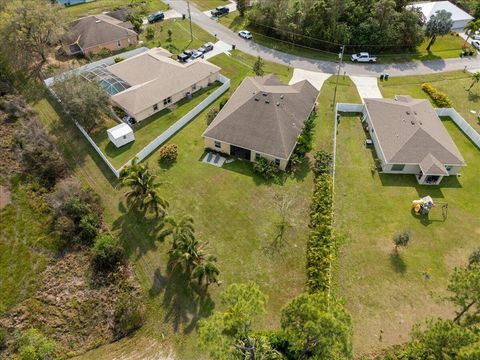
(353, 108)
(173, 129)
(461, 123)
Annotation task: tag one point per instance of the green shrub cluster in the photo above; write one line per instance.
(33, 345)
(320, 244)
(108, 253)
(168, 153)
(266, 168)
(439, 98)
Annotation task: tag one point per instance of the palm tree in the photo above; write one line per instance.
(143, 189)
(187, 253)
(475, 79)
(207, 271)
(180, 228)
(471, 28)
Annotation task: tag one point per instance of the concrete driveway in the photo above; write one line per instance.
(231, 7)
(367, 86)
(169, 14)
(316, 78)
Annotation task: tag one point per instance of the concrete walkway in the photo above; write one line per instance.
(316, 78)
(252, 48)
(367, 86)
(169, 14)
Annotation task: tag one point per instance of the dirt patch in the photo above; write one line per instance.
(71, 310)
(5, 197)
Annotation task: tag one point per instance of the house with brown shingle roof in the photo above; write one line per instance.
(409, 138)
(90, 34)
(263, 118)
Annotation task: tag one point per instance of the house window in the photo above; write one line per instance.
(448, 168)
(277, 162)
(155, 107)
(167, 101)
(218, 144)
(398, 167)
(257, 156)
(194, 87)
(124, 136)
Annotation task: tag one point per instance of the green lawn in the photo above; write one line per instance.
(98, 6)
(233, 210)
(385, 293)
(180, 39)
(209, 4)
(452, 83)
(147, 130)
(448, 46)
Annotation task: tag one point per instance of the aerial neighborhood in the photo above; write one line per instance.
(234, 179)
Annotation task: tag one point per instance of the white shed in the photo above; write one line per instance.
(460, 18)
(120, 135)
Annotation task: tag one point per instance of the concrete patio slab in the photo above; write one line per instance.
(316, 78)
(367, 86)
(214, 159)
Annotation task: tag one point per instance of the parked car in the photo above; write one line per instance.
(196, 54)
(476, 44)
(220, 11)
(206, 47)
(187, 52)
(476, 36)
(155, 17)
(245, 34)
(129, 120)
(183, 57)
(363, 57)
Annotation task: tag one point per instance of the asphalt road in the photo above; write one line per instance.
(399, 69)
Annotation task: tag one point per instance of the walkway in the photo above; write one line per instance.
(316, 78)
(401, 69)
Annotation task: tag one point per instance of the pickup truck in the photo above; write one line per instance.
(220, 11)
(363, 57)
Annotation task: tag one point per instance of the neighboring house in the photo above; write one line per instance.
(460, 18)
(90, 34)
(409, 138)
(121, 135)
(263, 118)
(152, 81)
(122, 14)
(72, 2)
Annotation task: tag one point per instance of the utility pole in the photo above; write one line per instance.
(340, 60)
(190, 18)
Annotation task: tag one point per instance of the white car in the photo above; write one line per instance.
(196, 54)
(245, 34)
(476, 44)
(363, 57)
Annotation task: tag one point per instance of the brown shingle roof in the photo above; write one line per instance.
(408, 130)
(264, 115)
(154, 76)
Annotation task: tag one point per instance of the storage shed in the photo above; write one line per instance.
(121, 135)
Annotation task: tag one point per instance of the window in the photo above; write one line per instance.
(155, 107)
(218, 144)
(119, 44)
(398, 167)
(194, 87)
(167, 101)
(448, 168)
(257, 156)
(124, 136)
(277, 162)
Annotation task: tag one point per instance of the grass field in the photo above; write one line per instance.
(180, 39)
(452, 83)
(98, 6)
(233, 209)
(448, 46)
(147, 130)
(209, 4)
(385, 293)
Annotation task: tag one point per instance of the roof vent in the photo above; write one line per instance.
(281, 96)
(98, 21)
(264, 94)
(267, 101)
(278, 103)
(408, 112)
(257, 99)
(412, 122)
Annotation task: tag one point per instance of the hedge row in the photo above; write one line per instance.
(320, 244)
(439, 98)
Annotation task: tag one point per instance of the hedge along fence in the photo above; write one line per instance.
(439, 98)
(321, 247)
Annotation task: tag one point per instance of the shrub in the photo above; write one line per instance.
(3, 337)
(294, 163)
(168, 153)
(305, 139)
(266, 168)
(474, 258)
(150, 33)
(401, 239)
(439, 98)
(104, 53)
(118, 59)
(212, 113)
(129, 314)
(222, 103)
(33, 345)
(323, 163)
(108, 253)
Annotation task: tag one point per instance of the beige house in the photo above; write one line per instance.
(90, 34)
(409, 138)
(154, 81)
(263, 118)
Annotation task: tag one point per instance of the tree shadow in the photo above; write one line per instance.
(397, 263)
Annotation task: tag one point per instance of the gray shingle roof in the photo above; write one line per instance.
(264, 115)
(408, 130)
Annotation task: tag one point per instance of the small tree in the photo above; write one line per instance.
(170, 33)
(33, 345)
(211, 114)
(465, 285)
(108, 253)
(258, 67)
(401, 239)
(268, 169)
(168, 154)
(471, 29)
(475, 79)
(150, 33)
(241, 7)
(439, 24)
(323, 163)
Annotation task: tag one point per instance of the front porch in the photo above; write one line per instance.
(425, 179)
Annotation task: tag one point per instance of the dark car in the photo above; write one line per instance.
(188, 53)
(206, 47)
(220, 11)
(158, 16)
(183, 57)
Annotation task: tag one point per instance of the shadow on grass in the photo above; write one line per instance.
(397, 263)
(185, 301)
(408, 180)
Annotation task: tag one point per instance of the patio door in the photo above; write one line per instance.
(240, 153)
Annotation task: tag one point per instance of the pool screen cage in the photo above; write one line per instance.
(109, 82)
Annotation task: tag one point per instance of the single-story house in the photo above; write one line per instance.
(263, 118)
(153, 81)
(91, 34)
(460, 18)
(121, 135)
(122, 14)
(409, 138)
(72, 2)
